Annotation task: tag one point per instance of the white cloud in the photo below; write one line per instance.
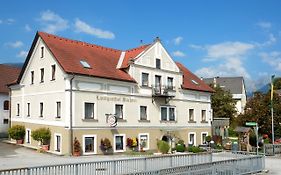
(83, 27)
(178, 54)
(27, 28)
(52, 22)
(7, 21)
(178, 40)
(271, 40)
(264, 24)
(22, 54)
(273, 59)
(16, 44)
(197, 47)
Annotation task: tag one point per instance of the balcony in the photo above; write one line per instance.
(167, 92)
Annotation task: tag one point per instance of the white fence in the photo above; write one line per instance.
(270, 149)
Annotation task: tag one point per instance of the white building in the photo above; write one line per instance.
(8, 74)
(76, 89)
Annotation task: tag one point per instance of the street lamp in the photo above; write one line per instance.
(271, 105)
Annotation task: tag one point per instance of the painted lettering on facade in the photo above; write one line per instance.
(117, 99)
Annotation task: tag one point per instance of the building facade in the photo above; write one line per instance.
(78, 90)
(8, 74)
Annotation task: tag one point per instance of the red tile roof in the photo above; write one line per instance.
(132, 53)
(102, 60)
(191, 81)
(8, 74)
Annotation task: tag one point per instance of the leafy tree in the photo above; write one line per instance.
(277, 83)
(223, 104)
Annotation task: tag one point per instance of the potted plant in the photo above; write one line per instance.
(76, 147)
(106, 146)
(17, 132)
(132, 143)
(42, 135)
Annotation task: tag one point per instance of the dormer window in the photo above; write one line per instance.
(195, 82)
(158, 63)
(42, 52)
(85, 64)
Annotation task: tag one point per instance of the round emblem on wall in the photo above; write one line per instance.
(112, 120)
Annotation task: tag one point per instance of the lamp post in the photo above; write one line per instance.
(271, 105)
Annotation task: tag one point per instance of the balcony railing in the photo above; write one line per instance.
(165, 91)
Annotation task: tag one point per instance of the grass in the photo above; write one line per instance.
(138, 153)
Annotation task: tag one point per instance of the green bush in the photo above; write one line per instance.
(180, 148)
(42, 135)
(208, 139)
(17, 132)
(194, 149)
(232, 133)
(163, 146)
(181, 142)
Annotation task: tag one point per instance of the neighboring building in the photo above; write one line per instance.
(235, 85)
(8, 74)
(78, 90)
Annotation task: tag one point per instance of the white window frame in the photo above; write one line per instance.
(95, 144)
(42, 78)
(147, 118)
(32, 74)
(202, 115)
(193, 115)
(114, 111)
(202, 136)
(139, 136)
(95, 109)
(188, 141)
(18, 109)
(55, 142)
(26, 135)
(168, 113)
(58, 117)
(28, 110)
(41, 116)
(53, 68)
(124, 143)
(148, 82)
(167, 83)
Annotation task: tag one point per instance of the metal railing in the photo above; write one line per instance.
(246, 165)
(270, 149)
(121, 166)
(160, 90)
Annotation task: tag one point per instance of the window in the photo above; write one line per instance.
(143, 113)
(57, 142)
(27, 136)
(191, 115)
(144, 79)
(191, 140)
(85, 64)
(58, 109)
(89, 110)
(42, 75)
(42, 52)
(32, 77)
(28, 109)
(41, 109)
(89, 144)
(119, 142)
(143, 141)
(5, 121)
(170, 83)
(18, 109)
(203, 115)
(157, 80)
(119, 111)
(6, 105)
(203, 138)
(167, 113)
(53, 72)
(158, 63)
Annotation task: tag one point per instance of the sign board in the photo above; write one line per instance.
(251, 124)
(112, 120)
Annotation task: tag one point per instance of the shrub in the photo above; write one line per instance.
(76, 145)
(195, 149)
(181, 142)
(42, 135)
(17, 132)
(163, 146)
(180, 148)
(208, 139)
(105, 144)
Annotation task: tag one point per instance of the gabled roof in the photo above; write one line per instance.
(191, 81)
(233, 84)
(8, 74)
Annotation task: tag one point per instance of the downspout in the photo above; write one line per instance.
(10, 105)
(71, 115)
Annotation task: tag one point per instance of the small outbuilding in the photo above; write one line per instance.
(244, 138)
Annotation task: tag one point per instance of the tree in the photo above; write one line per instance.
(277, 83)
(223, 104)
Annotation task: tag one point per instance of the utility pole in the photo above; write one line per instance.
(271, 105)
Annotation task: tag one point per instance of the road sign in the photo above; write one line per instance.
(251, 124)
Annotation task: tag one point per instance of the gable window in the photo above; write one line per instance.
(42, 75)
(167, 113)
(58, 109)
(41, 109)
(170, 83)
(89, 110)
(158, 63)
(42, 52)
(203, 115)
(53, 72)
(191, 115)
(28, 109)
(119, 111)
(144, 79)
(89, 144)
(32, 77)
(119, 143)
(143, 113)
(6, 105)
(18, 109)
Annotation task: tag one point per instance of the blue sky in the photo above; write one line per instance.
(211, 38)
